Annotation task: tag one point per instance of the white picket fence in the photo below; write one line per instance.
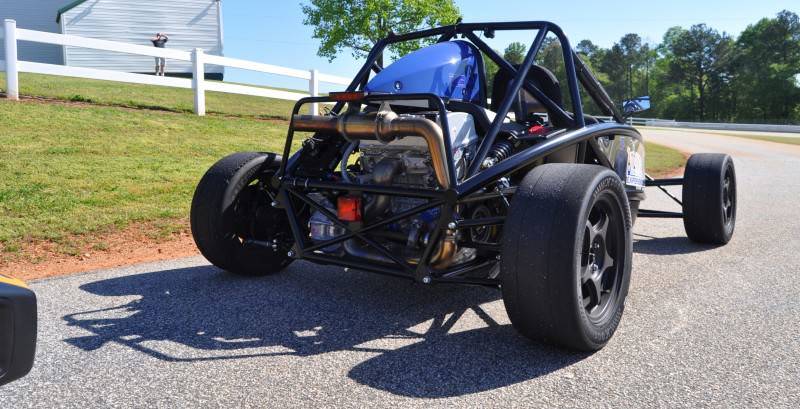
(12, 66)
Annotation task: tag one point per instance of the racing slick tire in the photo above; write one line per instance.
(566, 255)
(709, 198)
(232, 218)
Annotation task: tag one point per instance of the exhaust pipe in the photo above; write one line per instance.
(385, 126)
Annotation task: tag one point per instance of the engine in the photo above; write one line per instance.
(407, 162)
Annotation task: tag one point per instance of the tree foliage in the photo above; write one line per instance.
(515, 53)
(357, 25)
(698, 73)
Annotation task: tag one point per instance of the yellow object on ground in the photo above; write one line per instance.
(12, 281)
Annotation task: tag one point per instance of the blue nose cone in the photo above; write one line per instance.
(451, 70)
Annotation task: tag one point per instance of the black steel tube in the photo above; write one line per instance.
(483, 246)
(659, 214)
(598, 152)
(486, 282)
(481, 197)
(350, 263)
(505, 106)
(502, 64)
(486, 221)
(297, 232)
(595, 90)
(572, 77)
(436, 235)
(461, 270)
(287, 147)
(354, 187)
(664, 182)
(464, 28)
(536, 152)
(660, 187)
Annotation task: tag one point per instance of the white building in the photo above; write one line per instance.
(188, 23)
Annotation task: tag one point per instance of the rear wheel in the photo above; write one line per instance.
(233, 222)
(709, 198)
(566, 255)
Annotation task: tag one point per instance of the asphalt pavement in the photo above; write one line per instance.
(704, 326)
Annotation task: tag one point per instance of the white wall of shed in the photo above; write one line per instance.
(189, 24)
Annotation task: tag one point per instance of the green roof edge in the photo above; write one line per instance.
(67, 8)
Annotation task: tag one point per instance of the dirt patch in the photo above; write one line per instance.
(134, 244)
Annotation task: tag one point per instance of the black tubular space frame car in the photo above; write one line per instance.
(416, 172)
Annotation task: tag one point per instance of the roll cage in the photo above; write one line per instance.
(292, 188)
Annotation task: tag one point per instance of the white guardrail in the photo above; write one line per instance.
(634, 121)
(12, 66)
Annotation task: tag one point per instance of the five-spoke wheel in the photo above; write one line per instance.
(566, 255)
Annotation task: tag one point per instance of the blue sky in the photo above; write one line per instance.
(273, 32)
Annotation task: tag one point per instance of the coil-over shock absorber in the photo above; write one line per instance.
(499, 152)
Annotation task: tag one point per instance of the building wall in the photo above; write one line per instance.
(37, 15)
(188, 23)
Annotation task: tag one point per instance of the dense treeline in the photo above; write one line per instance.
(699, 73)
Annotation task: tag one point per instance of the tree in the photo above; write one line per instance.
(612, 63)
(491, 71)
(648, 58)
(515, 53)
(358, 25)
(587, 48)
(700, 57)
(768, 62)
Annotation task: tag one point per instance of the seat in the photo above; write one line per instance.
(526, 104)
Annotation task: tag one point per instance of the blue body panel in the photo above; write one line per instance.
(450, 69)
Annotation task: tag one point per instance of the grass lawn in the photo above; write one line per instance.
(70, 170)
(75, 169)
(661, 160)
(147, 96)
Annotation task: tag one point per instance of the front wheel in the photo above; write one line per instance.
(233, 222)
(709, 198)
(566, 255)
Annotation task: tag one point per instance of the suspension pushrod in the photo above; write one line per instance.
(661, 187)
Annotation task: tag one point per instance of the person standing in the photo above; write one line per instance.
(160, 41)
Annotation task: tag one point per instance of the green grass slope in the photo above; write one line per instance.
(75, 169)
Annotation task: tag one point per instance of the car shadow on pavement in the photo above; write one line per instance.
(201, 313)
(667, 246)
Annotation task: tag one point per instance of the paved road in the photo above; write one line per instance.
(704, 326)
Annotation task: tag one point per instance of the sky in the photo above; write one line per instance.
(272, 32)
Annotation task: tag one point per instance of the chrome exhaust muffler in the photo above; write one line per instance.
(384, 126)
